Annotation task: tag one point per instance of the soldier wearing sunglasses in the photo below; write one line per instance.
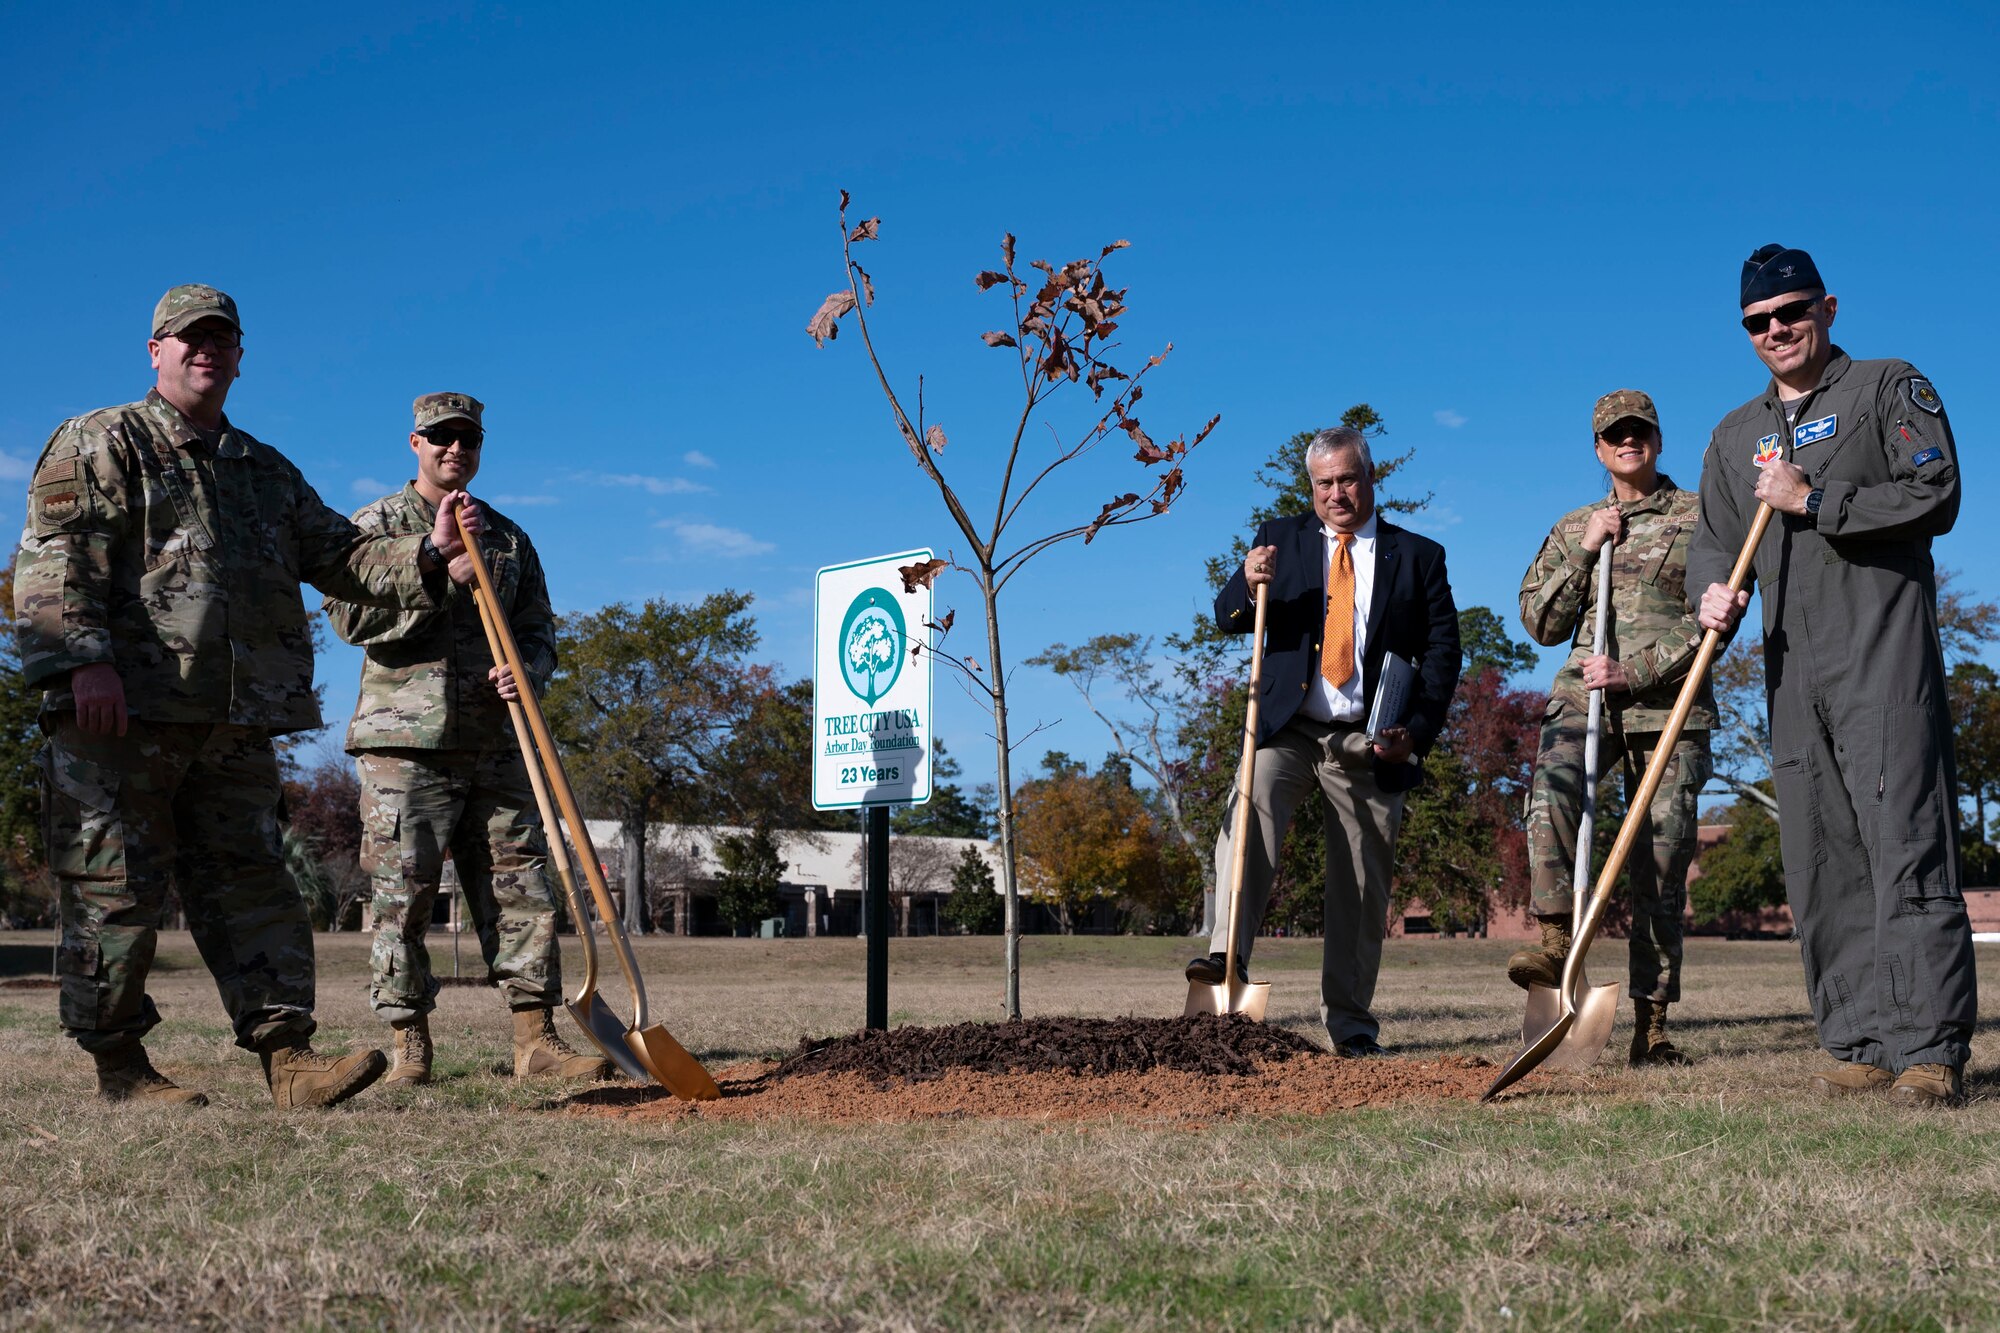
(1857, 460)
(441, 770)
(157, 602)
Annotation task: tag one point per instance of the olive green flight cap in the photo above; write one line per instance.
(433, 408)
(1622, 403)
(190, 303)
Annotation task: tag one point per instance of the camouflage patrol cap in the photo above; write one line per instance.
(191, 303)
(433, 408)
(1619, 404)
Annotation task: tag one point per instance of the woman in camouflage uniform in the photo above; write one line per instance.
(1651, 642)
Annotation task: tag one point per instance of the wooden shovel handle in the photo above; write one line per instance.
(1240, 838)
(558, 852)
(1656, 769)
(545, 747)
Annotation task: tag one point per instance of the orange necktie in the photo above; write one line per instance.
(1336, 658)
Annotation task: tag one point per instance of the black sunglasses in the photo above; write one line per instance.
(1789, 313)
(444, 437)
(1637, 428)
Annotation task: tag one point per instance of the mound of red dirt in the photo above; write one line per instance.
(1206, 1044)
(1172, 1072)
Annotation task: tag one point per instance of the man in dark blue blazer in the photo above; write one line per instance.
(1346, 587)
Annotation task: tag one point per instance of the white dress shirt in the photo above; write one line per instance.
(1323, 702)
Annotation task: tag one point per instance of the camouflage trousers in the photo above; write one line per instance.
(415, 806)
(185, 806)
(1658, 883)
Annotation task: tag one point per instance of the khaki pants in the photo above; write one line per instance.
(1361, 826)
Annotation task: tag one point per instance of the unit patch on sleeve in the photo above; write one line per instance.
(1767, 451)
(1927, 456)
(1924, 396)
(1812, 432)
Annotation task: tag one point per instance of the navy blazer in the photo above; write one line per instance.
(1411, 612)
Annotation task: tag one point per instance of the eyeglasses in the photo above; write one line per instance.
(222, 340)
(1789, 313)
(1626, 428)
(444, 437)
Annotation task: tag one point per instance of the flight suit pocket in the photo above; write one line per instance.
(1915, 843)
(1800, 837)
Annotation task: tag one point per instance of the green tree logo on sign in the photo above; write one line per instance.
(871, 644)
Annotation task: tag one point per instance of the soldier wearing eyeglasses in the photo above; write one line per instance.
(1650, 642)
(441, 769)
(157, 601)
(1857, 461)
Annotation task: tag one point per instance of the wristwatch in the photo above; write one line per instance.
(1813, 499)
(429, 548)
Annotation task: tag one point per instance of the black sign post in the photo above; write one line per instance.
(875, 911)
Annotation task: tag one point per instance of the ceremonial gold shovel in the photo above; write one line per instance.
(1596, 1006)
(653, 1047)
(599, 1024)
(1535, 1052)
(1235, 995)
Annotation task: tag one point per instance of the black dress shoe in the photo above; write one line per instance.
(1211, 970)
(1359, 1047)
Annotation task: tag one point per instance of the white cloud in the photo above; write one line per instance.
(1449, 419)
(15, 468)
(522, 501)
(712, 539)
(369, 487)
(631, 481)
(696, 458)
(1434, 520)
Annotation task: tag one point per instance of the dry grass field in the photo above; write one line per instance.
(1710, 1197)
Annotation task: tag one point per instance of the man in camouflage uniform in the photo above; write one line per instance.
(1651, 640)
(1858, 461)
(157, 601)
(441, 769)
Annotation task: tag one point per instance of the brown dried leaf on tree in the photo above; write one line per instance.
(1205, 430)
(824, 326)
(1170, 486)
(1059, 362)
(843, 202)
(987, 280)
(1007, 249)
(943, 626)
(971, 664)
(1130, 425)
(1115, 245)
(923, 574)
(998, 339)
(867, 284)
(1105, 514)
(1099, 373)
(870, 230)
(1150, 453)
(934, 437)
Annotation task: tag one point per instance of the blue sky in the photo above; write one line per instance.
(612, 225)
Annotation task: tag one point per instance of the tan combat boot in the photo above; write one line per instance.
(1928, 1085)
(126, 1075)
(410, 1048)
(300, 1076)
(1846, 1080)
(1649, 1036)
(538, 1050)
(1543, 965)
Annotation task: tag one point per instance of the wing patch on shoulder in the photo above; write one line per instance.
(1924, 396)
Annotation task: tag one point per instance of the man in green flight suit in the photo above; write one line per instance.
(441, 769)
(1651, 641)
(156, 600)
(1856, 458)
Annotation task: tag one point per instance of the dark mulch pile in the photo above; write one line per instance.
(1206, 1044)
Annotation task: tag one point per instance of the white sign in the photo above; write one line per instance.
(871, 695)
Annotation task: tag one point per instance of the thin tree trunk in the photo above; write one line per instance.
(1010, 885)
(632, 831)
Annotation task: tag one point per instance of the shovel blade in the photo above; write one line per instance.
(1248, 998)
(668, 1061)
(607, 1033)
(1544, 1010)
(1596, 1011)
(1530, 1056)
